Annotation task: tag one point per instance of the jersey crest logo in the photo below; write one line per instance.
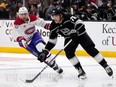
(30, 30)
(65, 31)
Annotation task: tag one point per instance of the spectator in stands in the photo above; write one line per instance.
(3, 13)
(2, 2)
(49, 9)
(76, 6)
(19, 4)
(111, 11)
(103, 10)
(93, 1)
(30, 2)
(91, 13)
(11, 8)
(41, 8)
(66, 5)
(34, 10)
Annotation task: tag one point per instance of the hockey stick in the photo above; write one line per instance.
(34, 53)
(31, 80)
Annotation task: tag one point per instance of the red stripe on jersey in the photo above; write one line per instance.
(18, 21)
(32, 17)
(47, 26)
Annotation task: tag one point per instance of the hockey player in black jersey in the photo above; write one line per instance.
(72, 28)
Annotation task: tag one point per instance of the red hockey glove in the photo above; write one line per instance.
(22, 41)
(20, 38)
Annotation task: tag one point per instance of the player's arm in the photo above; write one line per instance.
(50, 44)
(79, 27)
(17, 37)
(52, 38)
(15, 33)
(42, 23)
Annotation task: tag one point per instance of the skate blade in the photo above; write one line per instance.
(83, 77)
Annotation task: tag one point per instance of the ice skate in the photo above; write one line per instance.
(54, 66)
(59, 75)
(58, 69)
(82, 74)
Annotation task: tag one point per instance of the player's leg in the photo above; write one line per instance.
(54, 65)
(70, 54)
(89, 46)
(31, 48)
(49, 61)
(39, 45)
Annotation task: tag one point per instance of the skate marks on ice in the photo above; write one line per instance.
(13, 73)
(96, 77)
(47, 79)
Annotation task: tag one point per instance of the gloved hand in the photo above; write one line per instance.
(22, 41)
(20, 38)
(73, 34)
(43, 55)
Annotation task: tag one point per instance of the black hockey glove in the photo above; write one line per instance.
(43, 55)
(73, 34)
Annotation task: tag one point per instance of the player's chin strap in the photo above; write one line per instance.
(31, 80)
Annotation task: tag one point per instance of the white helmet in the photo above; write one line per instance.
(22, 10)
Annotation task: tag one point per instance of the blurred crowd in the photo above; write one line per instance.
(83, 9)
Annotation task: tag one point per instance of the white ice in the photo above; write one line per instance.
(16, 68)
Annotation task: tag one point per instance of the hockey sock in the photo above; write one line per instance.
(56, 67)
(99, 58)
(107, 68)
(81, 72)
(74, 60)
(78, 66)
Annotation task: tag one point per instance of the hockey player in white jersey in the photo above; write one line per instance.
(25, 33)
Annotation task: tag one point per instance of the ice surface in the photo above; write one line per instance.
(16, 68)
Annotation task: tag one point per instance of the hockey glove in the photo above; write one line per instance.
(20, 38)
(43, 55)
(22, 41)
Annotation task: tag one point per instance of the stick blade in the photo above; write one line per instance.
(29, 81)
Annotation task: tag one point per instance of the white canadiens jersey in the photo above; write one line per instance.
(27, 29)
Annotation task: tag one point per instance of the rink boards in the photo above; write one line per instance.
(102, 33)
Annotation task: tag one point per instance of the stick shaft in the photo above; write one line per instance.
(49, 62)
